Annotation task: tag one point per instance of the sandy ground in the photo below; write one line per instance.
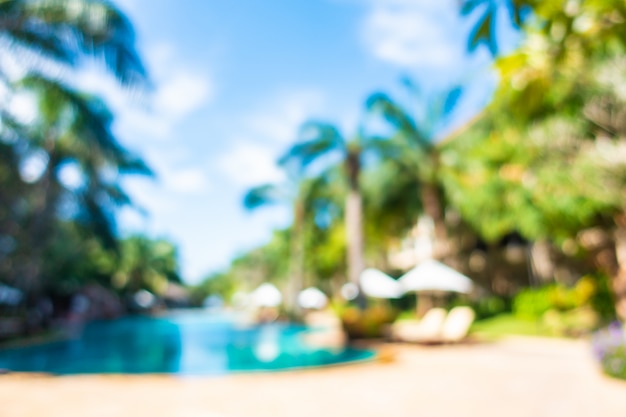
(516, 377)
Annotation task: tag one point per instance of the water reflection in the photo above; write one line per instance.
(182, 344)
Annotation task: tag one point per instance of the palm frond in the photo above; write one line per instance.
(100, 221)
(90, 122)
(483, 32)
(451, 99)
(382, 104)
(67, 31)
(317, 139)
(263, 195)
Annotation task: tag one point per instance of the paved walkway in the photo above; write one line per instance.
(516, 377)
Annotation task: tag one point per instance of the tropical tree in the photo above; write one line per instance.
(64, 32)
(50, 39)
(71, 132)
(391, 206)
(413, 146)
(268, 263)
(146, 264)
(484, 31)
(321, 140)
(291, 192)
(572, 28)
(559, 41)
(566, 78)
(220, 284)
(316, 220)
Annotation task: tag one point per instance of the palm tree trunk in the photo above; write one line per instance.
(354, 235)
(296, 260)
(42, 226)
(433, 207)
(354, 224)
(618, 277)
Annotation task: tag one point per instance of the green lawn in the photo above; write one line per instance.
(508, 324)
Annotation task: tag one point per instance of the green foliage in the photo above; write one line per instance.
(614, 363)
(267, 263)
(486, 307)
(602, 300)
(368, 323)
(146, 264)
(223, 285)
(67, 31)
(609, 346)
(391, 203)
(590, 291)
(509, 324)
(61, 236)
(533, 303)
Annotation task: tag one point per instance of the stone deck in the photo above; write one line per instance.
(515, 377)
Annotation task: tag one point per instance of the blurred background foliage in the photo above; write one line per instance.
(526, 198)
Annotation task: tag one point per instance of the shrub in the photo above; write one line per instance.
(369, 323)
(609, 346)
(590, 292)
(533, 303)
(601, 300)
(487, 307)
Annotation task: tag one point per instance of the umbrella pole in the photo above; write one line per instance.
(423, 304)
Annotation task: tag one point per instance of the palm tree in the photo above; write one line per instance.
(147, 264)
(64, 32)
(413, 147)
(73, 129)
(292, 192)
(319, 140)
(485, 28)
(45, 35)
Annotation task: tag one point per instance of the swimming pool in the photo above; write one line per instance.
(184, 344)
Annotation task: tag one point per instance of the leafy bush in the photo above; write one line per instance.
(590, 292)
(487, 307)
(601, 299)
(609, 346)
(369, 323)
(533, 303)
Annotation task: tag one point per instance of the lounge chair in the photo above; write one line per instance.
(436, 326)
(457, 324)
(428, 329)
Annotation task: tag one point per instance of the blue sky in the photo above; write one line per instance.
(234, 80)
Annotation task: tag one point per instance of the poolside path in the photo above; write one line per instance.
(515, 377)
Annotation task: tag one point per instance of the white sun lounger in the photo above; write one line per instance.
(436, 326)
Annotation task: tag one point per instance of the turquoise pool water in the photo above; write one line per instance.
(185, 344)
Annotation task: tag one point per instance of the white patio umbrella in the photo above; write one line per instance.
(266, 295)
(434, 276)
(375, 283)
(312, 298)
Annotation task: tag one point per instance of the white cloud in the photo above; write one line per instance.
(182, 94)
(268, 132)
(186, 180)
(248, 164)
(144, 193)
(175, 172)
(416, 34)
(178, 92)
(279, 120)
